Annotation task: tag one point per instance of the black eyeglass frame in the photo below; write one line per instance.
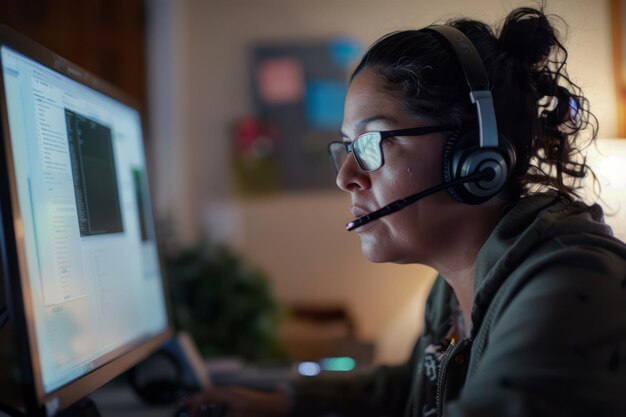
(415, 131)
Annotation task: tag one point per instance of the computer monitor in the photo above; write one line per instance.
(85, 290)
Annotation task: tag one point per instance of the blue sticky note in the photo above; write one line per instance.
(324, 103)
(344, 51)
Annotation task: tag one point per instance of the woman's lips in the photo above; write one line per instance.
(358, 211)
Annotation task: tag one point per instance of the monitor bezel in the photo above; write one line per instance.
(15, 271)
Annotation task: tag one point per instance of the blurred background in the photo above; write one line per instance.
(241, 98)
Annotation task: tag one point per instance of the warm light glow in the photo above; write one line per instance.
(613, 171)
(608, 161)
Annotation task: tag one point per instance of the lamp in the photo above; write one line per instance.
(608, 161)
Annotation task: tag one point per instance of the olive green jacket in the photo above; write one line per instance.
(548, 333)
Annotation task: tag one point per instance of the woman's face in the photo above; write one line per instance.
(412, 164)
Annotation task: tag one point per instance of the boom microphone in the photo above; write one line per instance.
(403, 202)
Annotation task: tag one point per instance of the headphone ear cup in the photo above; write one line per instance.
(449, 171)
(462, 158)
(507, 149)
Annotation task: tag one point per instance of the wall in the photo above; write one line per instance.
(199, 85)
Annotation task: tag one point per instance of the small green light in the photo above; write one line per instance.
(338, 364)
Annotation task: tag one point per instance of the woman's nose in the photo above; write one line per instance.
(351, 177)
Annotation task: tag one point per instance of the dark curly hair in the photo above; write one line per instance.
(542, 112)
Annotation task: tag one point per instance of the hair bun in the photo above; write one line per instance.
(528, 36)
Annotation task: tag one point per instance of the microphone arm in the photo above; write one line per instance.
(403, 202)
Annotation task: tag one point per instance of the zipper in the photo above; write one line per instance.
(416, 387)
(442, 370)
(416, 383)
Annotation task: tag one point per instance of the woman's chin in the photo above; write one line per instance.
(374, 251)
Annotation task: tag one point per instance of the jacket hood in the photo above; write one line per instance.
(533, 221)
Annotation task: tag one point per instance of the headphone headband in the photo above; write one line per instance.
(471, 153)
(477, 80)
(467, 55)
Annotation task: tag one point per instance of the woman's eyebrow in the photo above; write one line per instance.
(362, 124)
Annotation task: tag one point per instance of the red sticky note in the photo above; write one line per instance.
(280, 81)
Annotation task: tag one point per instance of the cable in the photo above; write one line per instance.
(6, 409)
(11, 411)
(4, 316)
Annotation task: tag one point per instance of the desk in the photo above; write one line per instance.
(118, 400)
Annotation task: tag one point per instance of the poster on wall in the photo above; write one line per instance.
(298, 90)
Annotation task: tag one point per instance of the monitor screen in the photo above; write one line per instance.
(90, 282)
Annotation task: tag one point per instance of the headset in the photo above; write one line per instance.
(476, 150)
(476, 162)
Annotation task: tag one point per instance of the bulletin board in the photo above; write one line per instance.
(299, 89)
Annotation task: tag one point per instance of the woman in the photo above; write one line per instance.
(528, 315)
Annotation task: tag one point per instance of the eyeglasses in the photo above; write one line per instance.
(368, 148)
